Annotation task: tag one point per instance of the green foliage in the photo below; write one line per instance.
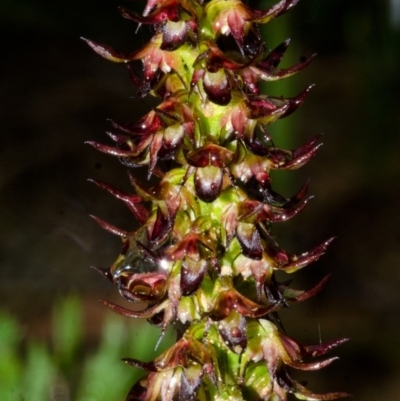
(11, 366)
(65, 369)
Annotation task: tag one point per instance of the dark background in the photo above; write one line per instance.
(55, 94)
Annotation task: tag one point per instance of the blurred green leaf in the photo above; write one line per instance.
(68, 371)
(67, 330)
(39, 375)
(105, 377)
(10, 364)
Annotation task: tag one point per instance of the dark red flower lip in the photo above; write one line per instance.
(142, 287)
(210, 155)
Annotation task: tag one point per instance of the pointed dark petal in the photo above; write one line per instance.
(145, 313)
(144, 193)
(139, 211)
(135, 161)
(160, 228)
(299, 157)
(208, 183)
(265, 109)
(116, 192)
(124, 127)
(150, 6)
(307, 147)
(321, 349)
(287, 72)
(296, 102)
(290, 4)
(276, 10)
(148, 124)
(267, 72)
(118, 138)
(300, 195)
(111, 150)
(312, 365)
(104, 272)
(250, 241)
(302, 156)
(303, 392)
(274, 199)
(107, 52)
(298, 262)
(275, 56)
(133, 202)
(109, 227)
(149, 366)
(287, 5)
(286, 214)
(127, 14)
(299, 296)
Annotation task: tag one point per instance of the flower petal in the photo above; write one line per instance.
(250, 241)
(217, 87)
(208, 183)
(192, 273)
(108, 52)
